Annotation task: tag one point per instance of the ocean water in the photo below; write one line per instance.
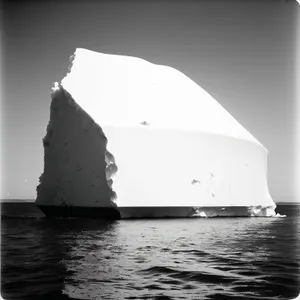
(217, 258)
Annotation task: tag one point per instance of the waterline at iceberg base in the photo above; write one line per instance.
(131, 139)
(138, 212)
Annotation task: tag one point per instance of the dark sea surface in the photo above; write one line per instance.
(199, 258)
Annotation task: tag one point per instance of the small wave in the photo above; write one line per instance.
(264, 288)
(158, 269)
(192, 251)
(230, 296)
(162, 297)
(203, 277)
(251, 273)
(154, 287)
(170, 281)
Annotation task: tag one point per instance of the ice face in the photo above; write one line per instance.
(77, 167)
(153, 136)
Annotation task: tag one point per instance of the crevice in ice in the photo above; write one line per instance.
(145, 123)
(194, 181)
(197, 212)
(110, 171)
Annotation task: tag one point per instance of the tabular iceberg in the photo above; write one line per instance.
(128, 138)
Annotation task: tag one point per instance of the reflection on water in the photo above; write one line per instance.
(230, 258)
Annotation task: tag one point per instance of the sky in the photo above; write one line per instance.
(244, 53)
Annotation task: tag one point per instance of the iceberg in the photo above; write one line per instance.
(131, 139)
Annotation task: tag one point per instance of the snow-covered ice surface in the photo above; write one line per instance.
(130, 133)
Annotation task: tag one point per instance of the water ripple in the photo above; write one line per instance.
(150, 259)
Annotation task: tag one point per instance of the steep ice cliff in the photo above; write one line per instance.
(124, 132)
(77, 166)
